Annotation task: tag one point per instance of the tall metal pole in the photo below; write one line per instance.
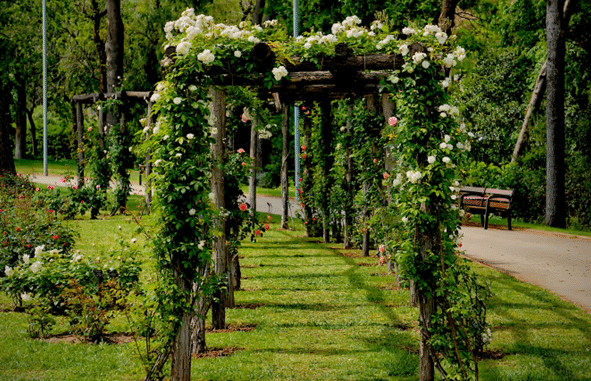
(296, 112)
(44, 89)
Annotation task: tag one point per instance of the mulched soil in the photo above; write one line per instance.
(233, 328)
(113, 338)
(250, 306)
(218, 352)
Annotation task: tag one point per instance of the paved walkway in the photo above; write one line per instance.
(557, 262)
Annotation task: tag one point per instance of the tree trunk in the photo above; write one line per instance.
(284, 159)
(220, 250)
(181, 354)
(114, 49)
(20, 146)
(259, 9)
(80, 145)
(539, 89)
(448, 15)
(555, 139)
(99, 44)
(6, 158)
(534, 103)
(252, 180)
(33, 131)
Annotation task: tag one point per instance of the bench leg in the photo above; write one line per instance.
(509, 221)
(482, 220)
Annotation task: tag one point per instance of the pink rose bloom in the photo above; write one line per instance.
(392, 121)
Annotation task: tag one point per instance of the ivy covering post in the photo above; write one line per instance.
(252, 180)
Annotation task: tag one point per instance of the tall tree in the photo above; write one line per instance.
(555, 139)
(114, 48)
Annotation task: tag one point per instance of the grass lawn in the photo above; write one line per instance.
(312, 311)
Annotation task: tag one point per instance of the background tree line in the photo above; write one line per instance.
(506, 40)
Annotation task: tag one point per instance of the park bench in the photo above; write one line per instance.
(484, 201)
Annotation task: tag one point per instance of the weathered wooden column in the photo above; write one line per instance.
(80, 145)
(220, 250)
(284, 159)
(306, 185)
(252, 180)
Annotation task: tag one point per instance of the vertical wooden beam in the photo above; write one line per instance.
(284, 159)
(220, 250)
(348, 181)
(328, 160)
(80, 145)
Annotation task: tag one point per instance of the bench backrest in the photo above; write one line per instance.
(507, 193)
(479, 191)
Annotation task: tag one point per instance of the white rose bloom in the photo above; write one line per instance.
(408, 31)
(445, 83)
(36, 266)
(418, 57)
(211, 196)
(157, 162)
(165, 137)
(446, 160)
(8, 270)
(39, 249)
(133, 240)
(155, 97)
(177, 100)
(431, 159)
(201, 245)
(214, 131)
(237, 54)
(178, 154)
(190, 136)
(446, 138)
(193, 88)
(425, 64)
(26, 258)
(441, 37)
(25, 297)
(460, 53)
(183, 48)
(443, 145)
(471, 134)
(449, 146)
(443, 115)
(342, 128)
(460, 145)
(146, 129)
(449, 60)
(307, 45)
(404, 220)
(192, 212)
(404, 49)
(155, 130)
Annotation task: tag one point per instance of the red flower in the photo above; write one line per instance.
(266, 226)
(386, 175)
(74, 187)
(303, 156)
(258, 232)
(303, 108)
(18, 229)
(460, 244)
(55, 236)
(50, 210)
(269, 217)
(29, 245)
(243, 207)
(5, 243)
(306, 222)
(392, 121)
(82, 201)
(382, 259)
(314, 219)
(375, 161)
(240, 151)
(300, 179)
(303, 148)
(243, 164)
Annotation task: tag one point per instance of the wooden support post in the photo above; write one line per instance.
(284, 159)
(348, 182)
(220, 250)
(80, 145)
(252, 180)
(328, 160)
